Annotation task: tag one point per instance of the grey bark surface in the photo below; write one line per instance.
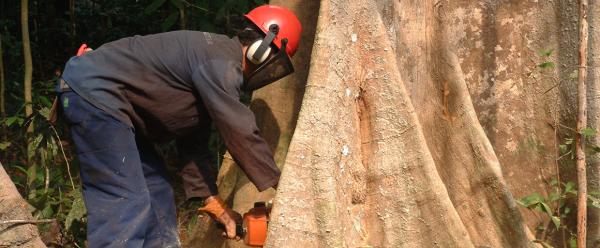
(422, 122)
(14, 207)
(593, 161)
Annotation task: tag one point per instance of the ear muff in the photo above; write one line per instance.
(256, 58)
(259, 51)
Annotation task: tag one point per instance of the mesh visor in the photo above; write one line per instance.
(270, 71)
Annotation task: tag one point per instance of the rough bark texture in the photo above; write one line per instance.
(13, 207)
(593, 161)
(423, 121)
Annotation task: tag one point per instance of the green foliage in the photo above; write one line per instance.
(588, 132)
(545, 53)
(546, 65)
(77, 211)
(35, 162)
(558, 199)
(556, 205)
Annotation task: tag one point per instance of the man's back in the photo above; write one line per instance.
(147, 81)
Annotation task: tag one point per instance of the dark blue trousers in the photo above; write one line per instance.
(128, 198)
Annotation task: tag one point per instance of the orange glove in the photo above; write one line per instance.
(218, 210)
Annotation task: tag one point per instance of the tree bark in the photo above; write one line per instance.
(28, 63)
(593, 160)
(13, 207)
(422, 121)
(581, 124)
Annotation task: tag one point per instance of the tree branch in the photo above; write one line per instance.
(581, 124)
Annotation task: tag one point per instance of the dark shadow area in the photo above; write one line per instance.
(266, 122)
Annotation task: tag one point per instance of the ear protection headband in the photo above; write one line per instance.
(259, 51)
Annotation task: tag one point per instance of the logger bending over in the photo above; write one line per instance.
(122, 97)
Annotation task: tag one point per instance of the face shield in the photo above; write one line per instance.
(275, 68)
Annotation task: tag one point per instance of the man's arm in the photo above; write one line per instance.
(197, 174)
(218, 83)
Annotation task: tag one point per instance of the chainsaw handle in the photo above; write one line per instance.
(239, 229)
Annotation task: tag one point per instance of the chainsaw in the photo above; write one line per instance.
(253, 229)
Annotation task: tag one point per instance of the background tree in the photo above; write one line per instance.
(594, 122)
(28, 64)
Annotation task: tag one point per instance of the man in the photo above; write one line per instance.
(127, 94)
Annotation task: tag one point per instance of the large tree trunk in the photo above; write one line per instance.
(365, 163)
(422, 121)
(13, 207)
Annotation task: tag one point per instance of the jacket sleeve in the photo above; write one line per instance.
(218, 83)
(197, 174)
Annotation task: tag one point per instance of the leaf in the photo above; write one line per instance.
(77, 210)
(171, 19)
(546, 208)
(546, 53)
(588, 132)
(570, 188)
(45, 112)
(154, 6)
(595, 202)
(534, 198)
(546, 65)
(4, 145)
(573, 242)
(33, 145)
(556, 221)
(568, 141)
(31, 174)
(47, 212)
(10, 120)
(566, 210)
(553, 197)
(594, 149)
(45, 101)
(553, 182)
(562, 148)
(20, 168)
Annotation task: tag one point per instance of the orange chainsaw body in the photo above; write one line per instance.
(255, 224)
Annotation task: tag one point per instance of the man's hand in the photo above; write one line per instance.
(230, 218)
(218, 210)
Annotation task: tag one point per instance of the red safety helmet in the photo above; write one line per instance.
(289, 25)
